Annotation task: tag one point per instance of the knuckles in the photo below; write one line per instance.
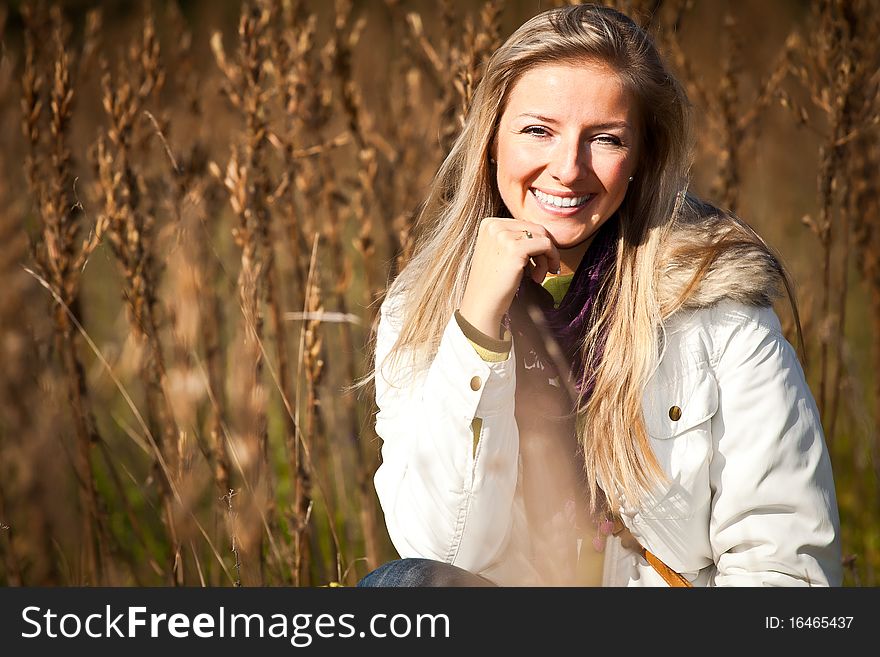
(491, 226)
(497, 233)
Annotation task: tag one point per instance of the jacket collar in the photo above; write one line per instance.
(744, 268)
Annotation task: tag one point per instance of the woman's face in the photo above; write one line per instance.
(565, 149)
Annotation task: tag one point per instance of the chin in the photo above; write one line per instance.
(568, 240)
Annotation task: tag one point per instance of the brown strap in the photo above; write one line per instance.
(669, 576)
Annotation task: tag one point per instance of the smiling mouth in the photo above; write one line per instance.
(562, 202)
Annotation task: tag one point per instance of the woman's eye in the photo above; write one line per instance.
(536, 130)
(609, 139)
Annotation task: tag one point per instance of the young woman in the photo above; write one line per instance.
(579, 349)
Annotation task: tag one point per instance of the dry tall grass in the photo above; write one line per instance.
(214, 205)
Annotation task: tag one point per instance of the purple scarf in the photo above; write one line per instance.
(570, 323)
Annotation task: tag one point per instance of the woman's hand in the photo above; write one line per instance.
(503, 251)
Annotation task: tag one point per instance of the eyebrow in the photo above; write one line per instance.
(595, 126)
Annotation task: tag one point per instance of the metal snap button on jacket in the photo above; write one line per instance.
(675, 413)
(476, 382)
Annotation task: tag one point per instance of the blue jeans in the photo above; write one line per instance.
(421, 572)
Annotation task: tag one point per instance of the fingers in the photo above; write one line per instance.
(539, 271)
(524, 238)
(554, 262)
(542, 249)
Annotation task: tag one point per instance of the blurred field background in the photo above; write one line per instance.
(201, 201)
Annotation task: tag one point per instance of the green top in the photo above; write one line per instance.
(557, 286)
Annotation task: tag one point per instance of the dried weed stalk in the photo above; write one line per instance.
(842, 84)
(57, 253)
(246, 180)
(734, 119)
(131, 233)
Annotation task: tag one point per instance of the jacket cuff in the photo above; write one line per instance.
(467, 383)
(490, 349)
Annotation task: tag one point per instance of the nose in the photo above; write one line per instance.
(570, 161)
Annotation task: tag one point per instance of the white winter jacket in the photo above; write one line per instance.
(750, 499)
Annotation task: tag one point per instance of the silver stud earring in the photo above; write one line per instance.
(630, 178)
(492, 161)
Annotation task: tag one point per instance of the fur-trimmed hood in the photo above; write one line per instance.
(710, 255)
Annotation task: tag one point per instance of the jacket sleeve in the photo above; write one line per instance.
(774, 518)
(446, 496)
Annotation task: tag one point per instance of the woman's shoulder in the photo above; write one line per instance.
(717, 321)
(724, 336)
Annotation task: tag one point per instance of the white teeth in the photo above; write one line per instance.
(561, 201)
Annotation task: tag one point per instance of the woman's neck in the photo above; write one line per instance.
(571, 258)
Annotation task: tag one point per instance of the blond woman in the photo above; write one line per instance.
(580, 356)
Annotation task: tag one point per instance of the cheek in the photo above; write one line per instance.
(514, 166)
(614, 173)
(517, 162)
(515, 176)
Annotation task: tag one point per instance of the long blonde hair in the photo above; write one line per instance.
(428, 290)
